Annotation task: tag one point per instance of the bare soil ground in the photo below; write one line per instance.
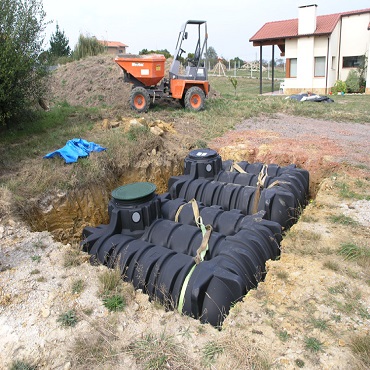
(306, 314)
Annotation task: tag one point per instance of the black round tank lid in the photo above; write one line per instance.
(202, 153)
(134, 191)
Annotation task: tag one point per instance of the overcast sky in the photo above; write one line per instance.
(154, 24)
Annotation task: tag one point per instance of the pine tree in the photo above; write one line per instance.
(59, 44)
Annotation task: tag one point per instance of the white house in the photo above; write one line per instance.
(319, 50)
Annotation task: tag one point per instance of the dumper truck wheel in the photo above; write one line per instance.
(139, 99)
(194, 99)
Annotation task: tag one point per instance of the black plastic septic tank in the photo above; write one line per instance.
(134, 207)
(202, 163)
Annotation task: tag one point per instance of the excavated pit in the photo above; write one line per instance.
(66, 214)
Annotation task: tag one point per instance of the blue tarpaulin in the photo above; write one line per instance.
(74, 149)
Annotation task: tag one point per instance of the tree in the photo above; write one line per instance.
(212, 56)
(164, 52)
(87, 46)
(59, 44)
(211, 53)
(21, 72)
(237, 61)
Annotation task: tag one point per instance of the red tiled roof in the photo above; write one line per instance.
(113, 44)
(325, 24)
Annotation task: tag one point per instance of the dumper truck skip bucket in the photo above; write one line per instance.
(148, 69)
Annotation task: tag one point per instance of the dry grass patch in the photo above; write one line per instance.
(156, 352)
(304, 242)
(98, 347)
(354, 252)
(360, 347)
(239, 352)
(6, 208)
(110, 281)
(73, 256)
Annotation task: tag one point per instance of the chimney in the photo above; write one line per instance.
(307, 19)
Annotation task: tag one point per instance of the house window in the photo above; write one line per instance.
(320, 66)
(291, 68)
(353, 62)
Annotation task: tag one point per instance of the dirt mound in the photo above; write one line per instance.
(90, 82)
(94, 81)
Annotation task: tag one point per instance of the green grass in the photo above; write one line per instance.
(354, 252)
(114, 303)
(346, 192)
(312, 344)
(283, 335)
(320, 324)
(210, 352)
(343, 220)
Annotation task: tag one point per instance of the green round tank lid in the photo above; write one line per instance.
(134, 191)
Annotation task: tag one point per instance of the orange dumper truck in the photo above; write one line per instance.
(189, 86)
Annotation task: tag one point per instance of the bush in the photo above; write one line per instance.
(87, 46)
(339, 86)
(21, 70)
(353, 81)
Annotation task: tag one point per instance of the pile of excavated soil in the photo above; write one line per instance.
(93, 81)
(90, 82)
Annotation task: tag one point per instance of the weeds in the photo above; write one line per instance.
(331, 265)
(353, 252)
(73, 256)
(22, 365)
(343, 220)
(351, 303)
(159, 352)
(339, 288)
(346, 192)
(136, 132)
(77, 286)
(110, 280)
(94, 351)
(68, 319)
(283, 335)
(36, 258)
(114, 303)
(320, 324)
(312, 344)
(238, 352)
(299, 362)
(210, 352)
(282, 275)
